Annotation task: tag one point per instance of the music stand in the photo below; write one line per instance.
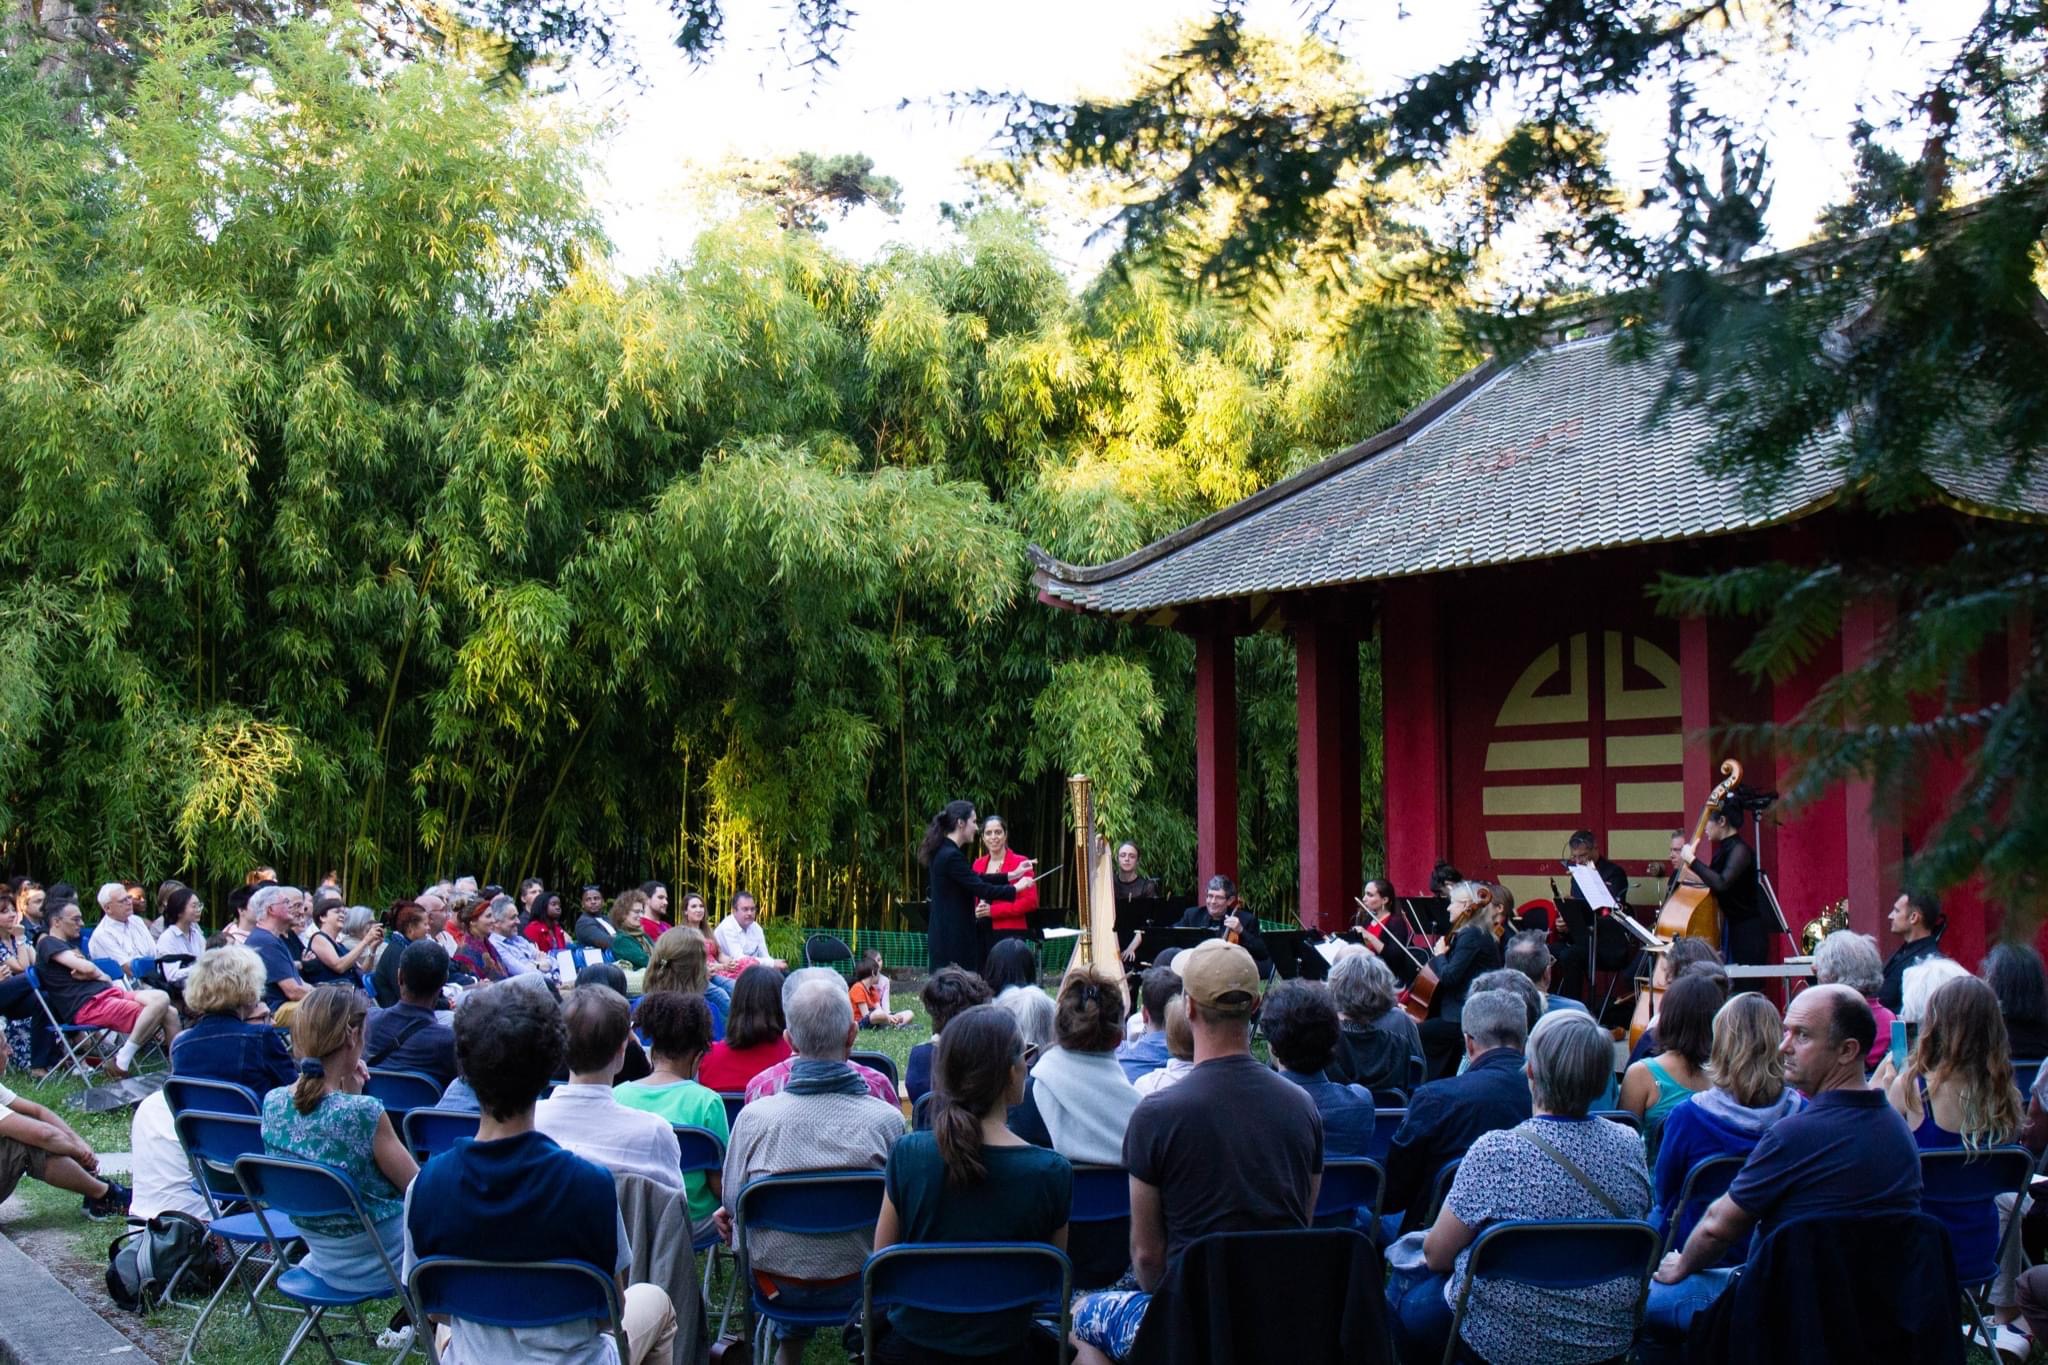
(917, 914)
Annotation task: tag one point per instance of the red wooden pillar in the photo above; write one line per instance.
(1215, 749)
(1415, 736)
(1874, 845)
(1695, 714)
(1326, 719)
(1809, 848)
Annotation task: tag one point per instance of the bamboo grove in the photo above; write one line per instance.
(360, 515)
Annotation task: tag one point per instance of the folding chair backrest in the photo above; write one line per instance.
(877, 1061)
(1707, 1181)
(1384, 1122)
(429, 1132)
(968, 1278)
(298, 1189)
(1626, 1118)
(1440, 1190)
(206, 1096)
(110, 966)
(702, 1151)
(822, 949)
(735, 1100)
(1958, 1187)
(1564, 1254)
(214, 1142)
(1389, 1097)
(921, 1113)
(811, 1204)
(2023, 1074)
(1351, 1185)
(142, 966)
(516, 1293)
(401, 1092)
(1102, 1194)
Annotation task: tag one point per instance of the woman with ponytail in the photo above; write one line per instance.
(955, 886)
(970, 1179)
(324, 1116)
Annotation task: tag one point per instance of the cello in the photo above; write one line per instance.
(1415, 997)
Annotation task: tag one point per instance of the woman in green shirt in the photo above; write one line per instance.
(678, 1029)
(630, 944)
(970, 1179)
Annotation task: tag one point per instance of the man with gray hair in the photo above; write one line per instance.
(1529, 953)
(1444, 1117)
(275, 907)
(121, 934)
(822, 1118)
(773, 1080)
(1378, 1045)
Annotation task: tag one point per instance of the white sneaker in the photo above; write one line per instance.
(2011, 1343)
(398, 1339)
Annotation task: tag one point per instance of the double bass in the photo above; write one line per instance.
(1690, 912)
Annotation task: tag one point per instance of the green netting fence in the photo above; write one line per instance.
(909, 950)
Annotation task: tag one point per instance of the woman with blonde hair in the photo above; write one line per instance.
(681, 962)
(1180, 1050)
(1470, 953)
(1745, 1095)
(324, 1116)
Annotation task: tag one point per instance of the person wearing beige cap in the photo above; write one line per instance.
(1182, 1187)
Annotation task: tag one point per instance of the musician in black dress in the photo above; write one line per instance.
(1472, 951)
(1220, 914)
(1732, 877)
(955, 886)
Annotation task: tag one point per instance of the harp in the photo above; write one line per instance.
(1094, 889)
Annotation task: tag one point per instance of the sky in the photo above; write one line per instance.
(664, 130)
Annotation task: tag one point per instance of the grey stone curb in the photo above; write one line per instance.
(45, 1323)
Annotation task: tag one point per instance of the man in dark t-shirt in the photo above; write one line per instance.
(282, 984)
(1846, 1154)
(1180, 1188)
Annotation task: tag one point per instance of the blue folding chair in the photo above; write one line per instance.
(1389, 1097)
(401, 1092)
(198, 1094)
(878, 1061)
(306, 1189)
(1626, 1118)
(1560, 1256)
(809, 1204)
(2023, 1074)
(703, 1152)
(1384, 1123)
(86, 1047)
(1707, 1181)
(1350, 1193)
(1961, 1188)
(518, 1294)
(1099, 1225)
(1440, 1190)
(112, 967)
(968, 1279)
(735, 1100)
(141, 967)
(921, 1113)
(213, 1143)
(430, 1132)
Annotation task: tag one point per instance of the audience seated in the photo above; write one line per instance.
(1557, 1165)
(1078, 1087)
(869, 995)
(678, 1029)
(1377, 1043)
(1529, 953)
(1182, 1188)
(161, 1178)
(772, 1079)
(613, 977)
(122, 934)
(1011, 962)
(408, 925)
(514, 1195)
(275, 907)
(1731, 1115)
(410, 1036)
(515, 951)
(2015, 975)
(1446, 1116)
(825, 1116)
(477, 956)
(1957, 1091)
(1655, 1086)
(326, 1117)
(1845, 1153)
(630, 944)
(970, 1179)
(678, 964)
(1684, 955)
(1147, 1052)
(947, 992)
(753, 1039)
(1180, 1051)
(740, 936)
(1301, 1029)
(233, 1038)
(329, 958)
(35, 1142)
(1032, 1008)
(80, 993)
(1847, 958)
(585, 1116)
(1922, 980)
(181, 941)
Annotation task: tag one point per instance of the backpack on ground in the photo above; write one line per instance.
(150, 1260)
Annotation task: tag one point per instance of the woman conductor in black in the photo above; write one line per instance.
(955, 886)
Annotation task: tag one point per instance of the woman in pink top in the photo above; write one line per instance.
(753, 1033)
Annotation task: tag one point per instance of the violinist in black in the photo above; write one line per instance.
(1732, 877)
(1221, 914)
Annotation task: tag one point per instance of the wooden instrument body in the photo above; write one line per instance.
(1648, 996)
(1094, 889)
(1690, 913)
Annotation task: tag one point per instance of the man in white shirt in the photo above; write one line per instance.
(584, 1117)
(515, 950)
(121, 934)
(739, 934)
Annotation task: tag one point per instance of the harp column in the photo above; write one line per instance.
(1215, 747)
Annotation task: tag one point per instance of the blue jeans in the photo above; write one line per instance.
(1672, 1307)
(1420, 1319)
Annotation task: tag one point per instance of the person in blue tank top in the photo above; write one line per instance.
(512, 1194)
(1655, 1086)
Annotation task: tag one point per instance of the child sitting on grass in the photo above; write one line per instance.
(870, 995)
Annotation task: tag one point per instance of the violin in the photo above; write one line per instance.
(1416, 998)
(1236, 911)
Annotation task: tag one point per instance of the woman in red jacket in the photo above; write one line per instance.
(1005, 919)
(544, 924)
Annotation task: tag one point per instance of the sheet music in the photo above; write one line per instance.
(1593, 891)
(1063, 933)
